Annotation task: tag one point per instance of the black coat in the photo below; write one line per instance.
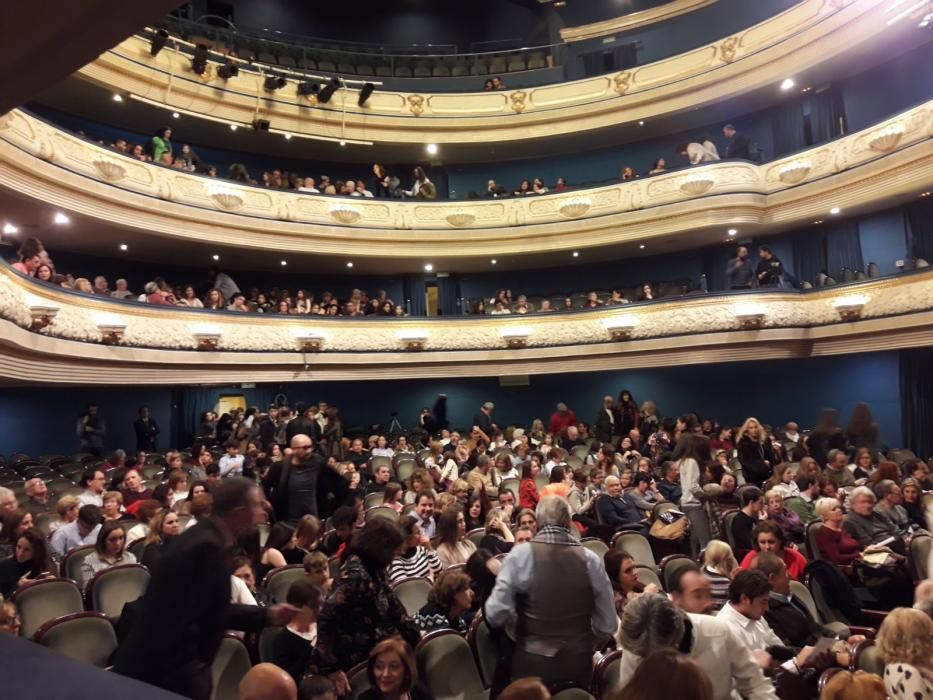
(179, 623)
(792, 623)
(753, 455)
(739, 146)
(484, 422)
(302, 425)
(332, 489)
(146, 433)
(604, 429)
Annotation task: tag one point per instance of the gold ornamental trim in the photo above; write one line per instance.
(632, 20)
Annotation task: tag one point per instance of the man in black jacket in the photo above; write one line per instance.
(303, 424)
(179, 623)
(608, 423)
(769, 269)
(739, 145)
(483, 419)
(302, 483)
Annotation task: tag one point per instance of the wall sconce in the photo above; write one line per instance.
(42, 315)
(620, 328)
(111, 329)
(207, 337)
(413, 341)
(309, 342)
(516, 337)
(850, 307)
(750, 316)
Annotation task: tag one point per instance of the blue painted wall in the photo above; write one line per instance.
(40, 420)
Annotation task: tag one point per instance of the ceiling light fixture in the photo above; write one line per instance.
(641, 122)
(576, 254)
(123, 246)
(9, 229)
(288, 137)
(641, 247)
(228, 70)
(233, 127)
(199, 62)
(349, 264)
(834, 210)
(732, 231)
(308, 87)
(118, 98)
(215, 256)
(787, 84)
(61, 219)
(175, 115)
(428, 267)
(273, 83)
(493, 261)
(284, 263)
(323, 97)
(431, 148)
(365, 92)
(158, 42)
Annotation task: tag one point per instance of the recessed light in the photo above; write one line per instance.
(835, 210)
(732, 231)
(493, 261)
(233, 127)
(641, 247)
(284, 263)
(123, 246)
(431, 148)
(641, 122)
(787, 84)
(288, 137)
(61, 219)
(118, 98)
(349, 264)
(428, 267)
(925, 194)
(215, 257)
(343, 143)
(175, 115)
(9, 229)
(818, 221)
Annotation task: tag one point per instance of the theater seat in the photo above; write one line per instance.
(648, 574)
(637, 545)
(264, 642)
(87, 637)
(45, 600)
(413, 593)
(606, 676)
(867, 657)
(485, 653)
(446, 664)
(670, 565)
(572, 694)
(278, 581)
(920, 548)
(112, 588)
(595, 545)
(71, 564)
(230, 664)
(359, 681)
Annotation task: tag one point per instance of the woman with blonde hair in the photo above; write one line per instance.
(845, 685)
(719, 563)
(754, 451)
(163, 527)
(905, 641)
(67, 508)
(649, 419)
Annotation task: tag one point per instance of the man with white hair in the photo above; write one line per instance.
(37, 494)
(869, 526)
(557, 598)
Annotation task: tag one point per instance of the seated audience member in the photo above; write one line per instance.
(163, 528)
(305, 539)
(749, 594)
(113, 505)
(651, 623)
(316, 688)
(393, 673)
(527, 489)
(835, 543)
(133, 488)
(787, 519)
(7, 500)
(669, 486)
(864, 465)
(559, 483)
(317, 570)
(525, 689)
(37, 497)
(869, 526)
(769, 537)
(452, 548)
(67, 508)
(615, 510)
(860, 685)
(499, 538)
(448, 604)
(889, 502)
(783, 481)
(658, 167)
(75, 534)
(293, 646)
(109, 550)
(342, 521)
(719, 566)
(644, 496)
(13, 523)
(667, 674)
(9, 619)
(475, 512)
(745, 520)
(691, 591)
(362, 610)
(620, 567)
(414, 557)
(912, 503)
(837, 469)
(266, 682)
(905, 641)
(93, 482)
(145, 512)
(381, 478)
(30, 562)
(808, 487)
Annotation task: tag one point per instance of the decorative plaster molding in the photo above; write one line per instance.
(632, 20)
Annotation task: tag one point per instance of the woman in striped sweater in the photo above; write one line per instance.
(415, 557)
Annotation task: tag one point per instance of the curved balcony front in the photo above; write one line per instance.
(58, 336)
(804, 36)
(866, 169)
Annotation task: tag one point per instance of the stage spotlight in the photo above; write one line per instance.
(199, 62)
(227, 71)
(158, 42)
(273, 83)
(261, 124)
(365, 92)
(328, 90)
(308, 88)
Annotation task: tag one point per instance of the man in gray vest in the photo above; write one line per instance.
(555, 600)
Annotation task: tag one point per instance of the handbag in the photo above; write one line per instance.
(674, 530)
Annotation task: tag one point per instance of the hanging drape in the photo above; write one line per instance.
(916, 382)
(824, 111)
(843, 248)
(715, 261)
(920, 229)
(413, 288)
(448, 296)
(194, 401)
(809, 255)
(787, 128)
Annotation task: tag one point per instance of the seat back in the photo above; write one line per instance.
(573, 693)
(670, 565)
(45, 600)
(827, 613)
(595, 545)
(606, 676)
(382, 512)
(87, 637)
(920, 548)
(580, 451)
(637, 545)
(373, 499)
(231, 663)
(446, 664)
(359, 681)
(412, 593)
(648, 574)
(404, 470)
(278, 581)
(476, 535)
(802, 593)
(727, 527)
(812, 528)
(112, 588)
(136, 549)
(485, 653)
(867, 657)
(264, 642)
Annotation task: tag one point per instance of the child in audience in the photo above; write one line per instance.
(317, 570)
(293, 646)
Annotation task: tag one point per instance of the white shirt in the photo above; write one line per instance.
(788, 490)
(753, 634)
(89, 498)
(730, 666)
(240, 593)
(67, 537)
(231, 466)
(312, 190)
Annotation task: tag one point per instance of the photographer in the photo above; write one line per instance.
(770, 269)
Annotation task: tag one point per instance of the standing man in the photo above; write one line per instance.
(607, 425)
(770, 269)
(179, 623)
(739, 272)
(739, 145)
(302, 424)
(561, 419)
(223, 283)
(483, 419)
(91, 431)
(302, 483)
(146, 431)
(557, 594)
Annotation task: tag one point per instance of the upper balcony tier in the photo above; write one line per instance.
(811, 40)
(866, 170)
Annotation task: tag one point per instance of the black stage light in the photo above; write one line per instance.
(261, 124)
(308, 88)
(273, 83)
(158, 42)
(227, 71)
(199, 62)
(328, 90)
(365, 92)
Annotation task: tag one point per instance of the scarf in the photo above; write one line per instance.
(554, 534)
